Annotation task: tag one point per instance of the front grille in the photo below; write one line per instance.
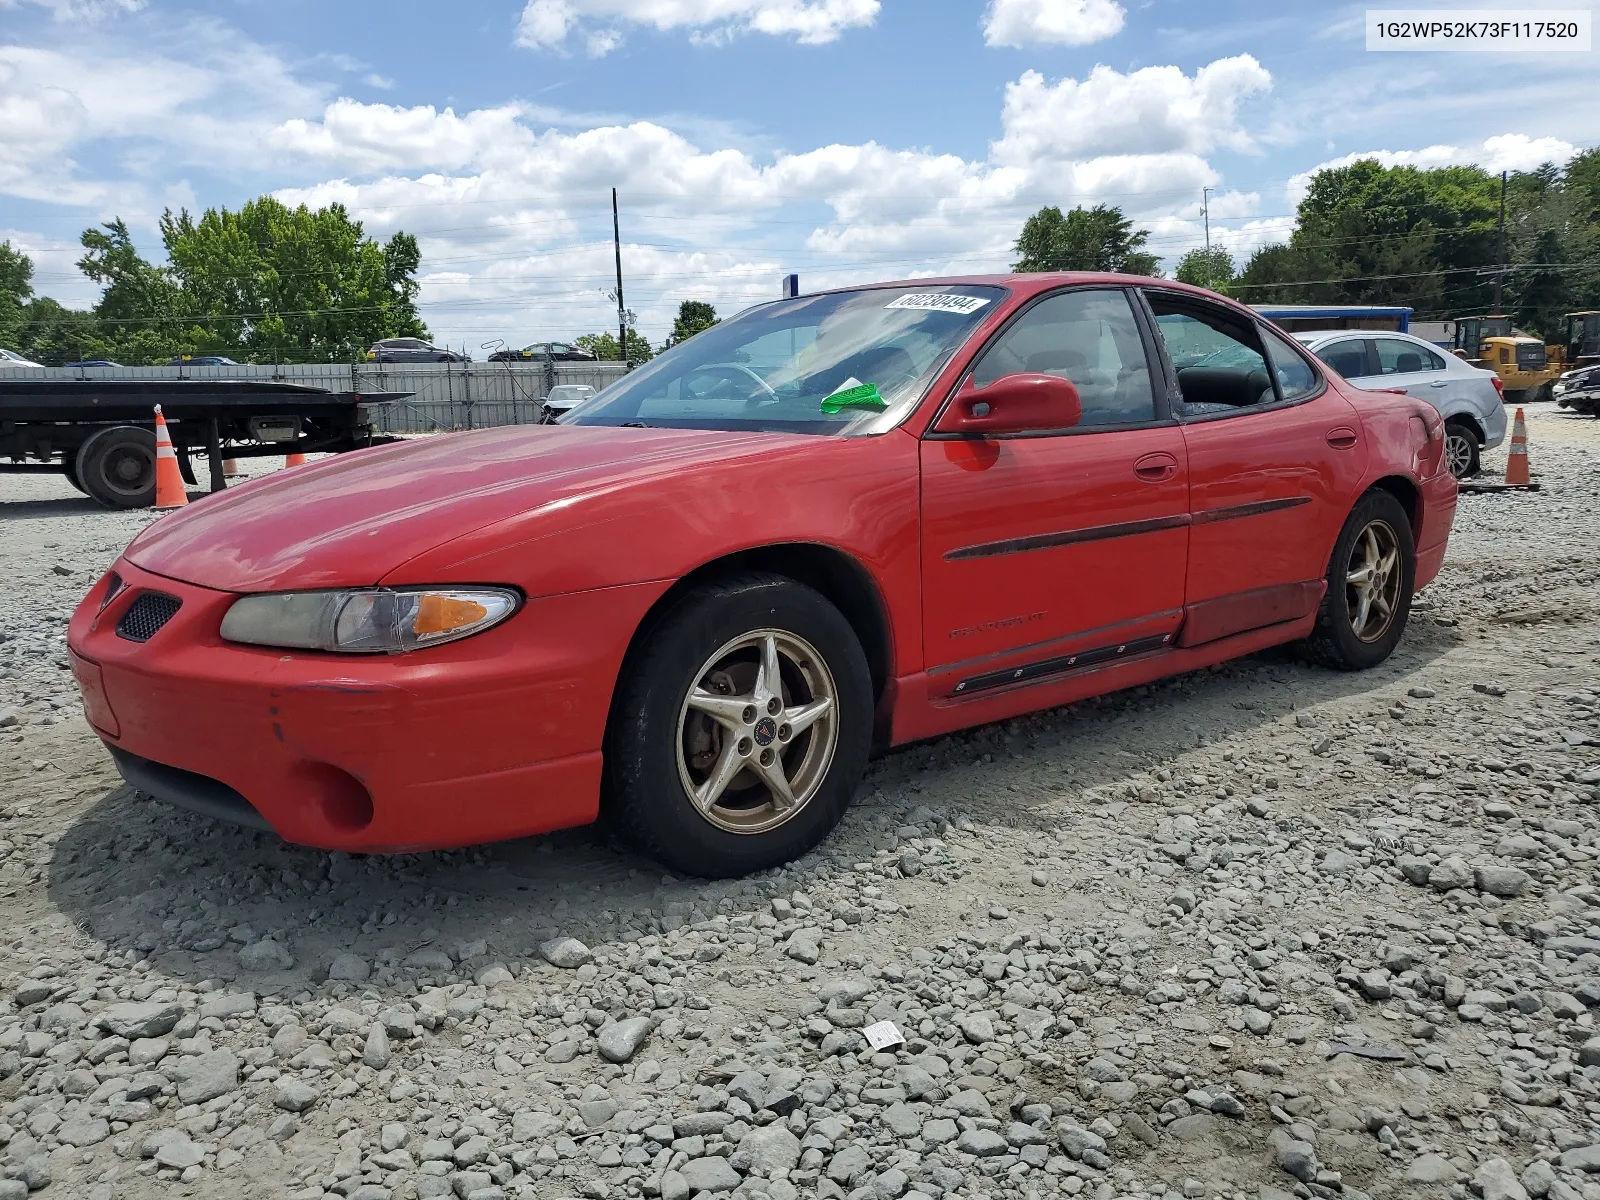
(146, 616)
(1530, 356)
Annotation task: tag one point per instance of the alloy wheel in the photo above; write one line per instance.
(1372, 580)
(757, 731)
(1458, 453)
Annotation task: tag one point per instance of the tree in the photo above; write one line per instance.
(604, 346)
(16, 289)
(1211, 268)
(693, 316)
(1085, 239)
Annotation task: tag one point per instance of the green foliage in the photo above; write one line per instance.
(1369, 234)
(1211, 268)
(265, 284)
(604, 346)
(693, 316)
(1085, 239)
(16, 288)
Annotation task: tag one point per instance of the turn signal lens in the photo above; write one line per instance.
(367, 620)
(438, 613)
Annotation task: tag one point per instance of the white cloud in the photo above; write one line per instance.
(80, 10)
(547, 24)
(1503, 152)
(1156, 110)
(1022, 23)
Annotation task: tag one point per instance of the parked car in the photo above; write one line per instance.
(94, 362)
(829, 525)
(563, 398)
(539, 351)
(401, 350)
(200, 360)
(1469, 399)
(10, 358)
(1579, 390)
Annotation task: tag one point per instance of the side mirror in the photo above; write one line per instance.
(1019, 403)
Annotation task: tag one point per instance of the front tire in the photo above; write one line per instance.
(1461, 449)
(1371, 576)
(740, 728)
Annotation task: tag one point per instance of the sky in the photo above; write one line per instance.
(844, 140)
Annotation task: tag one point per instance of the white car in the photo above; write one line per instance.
(10, 358)
(1469, 400)
(563, 398)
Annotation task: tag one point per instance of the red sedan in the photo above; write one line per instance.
(828, 526)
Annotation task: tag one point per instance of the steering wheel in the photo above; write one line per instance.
(739, 372)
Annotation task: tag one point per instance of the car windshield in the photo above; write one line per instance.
(852, 362)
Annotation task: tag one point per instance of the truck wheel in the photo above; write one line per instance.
(117, 466)
(70, 474)
(740, 730)
(1461, 449)
(1370, 580)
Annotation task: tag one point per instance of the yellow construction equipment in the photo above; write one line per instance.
(1581, 346)
(1521, 361)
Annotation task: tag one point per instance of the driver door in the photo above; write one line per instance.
(1046, 553)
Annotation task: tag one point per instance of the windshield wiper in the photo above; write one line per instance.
(633, 425)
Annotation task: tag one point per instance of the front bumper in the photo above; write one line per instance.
(492, 737)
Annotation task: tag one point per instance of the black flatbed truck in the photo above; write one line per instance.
(100, 433)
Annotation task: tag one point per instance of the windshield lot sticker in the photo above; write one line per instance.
(940, 302)
(853, 394)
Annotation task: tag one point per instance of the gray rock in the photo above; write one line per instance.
(533, 1125)
(902, 1121)
(1447, 874)
(1337, 862)
(1414, 868)
(1432, 1168)
(804, 945)
(710, 1174)
(771, 1148)
(228, 1004)
(265, 955)
(939, 1131)
(178, 1151)
(376, 1052)
(977, 1028)
(350, 967)
(674, 1186)
(1505, 882)
(568, 953)
(851, 1163)
(12, 1189)
(205, 1076)
(984, 1143)
(146, 1019)
(701, 1123)
(621, 1041)
(1296, 1157)
(294, 1096)
(1495, 1180)
(1538, 1178)
(83, 1130)
(1581, 1158)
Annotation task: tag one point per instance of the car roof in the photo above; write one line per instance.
(1310, 337)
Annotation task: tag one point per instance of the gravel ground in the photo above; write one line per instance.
(1260, 931)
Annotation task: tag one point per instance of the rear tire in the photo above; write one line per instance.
(663, 746)
(117, 467)
(1374, 561)
(1461, 449)
(70, 474)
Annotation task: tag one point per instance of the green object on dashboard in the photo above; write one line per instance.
(864, 396)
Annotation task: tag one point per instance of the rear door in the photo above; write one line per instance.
(1046, 553)
(1275, 457)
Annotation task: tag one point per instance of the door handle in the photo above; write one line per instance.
(1342, 437)
(1156, 468)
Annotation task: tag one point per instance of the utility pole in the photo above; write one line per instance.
(1205, 208)
(622, 312)
(1500, 275)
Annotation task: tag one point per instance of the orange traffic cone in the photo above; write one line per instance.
(1517, 459)
(294, 460)
(170, 492)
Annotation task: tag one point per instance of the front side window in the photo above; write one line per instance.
(855, 362)
(1295, 375)
(1217, 356)
(1405, 358)
(1089, 337)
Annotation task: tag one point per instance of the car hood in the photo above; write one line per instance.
(349, 520)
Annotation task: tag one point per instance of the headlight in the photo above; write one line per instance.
(367, 620)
